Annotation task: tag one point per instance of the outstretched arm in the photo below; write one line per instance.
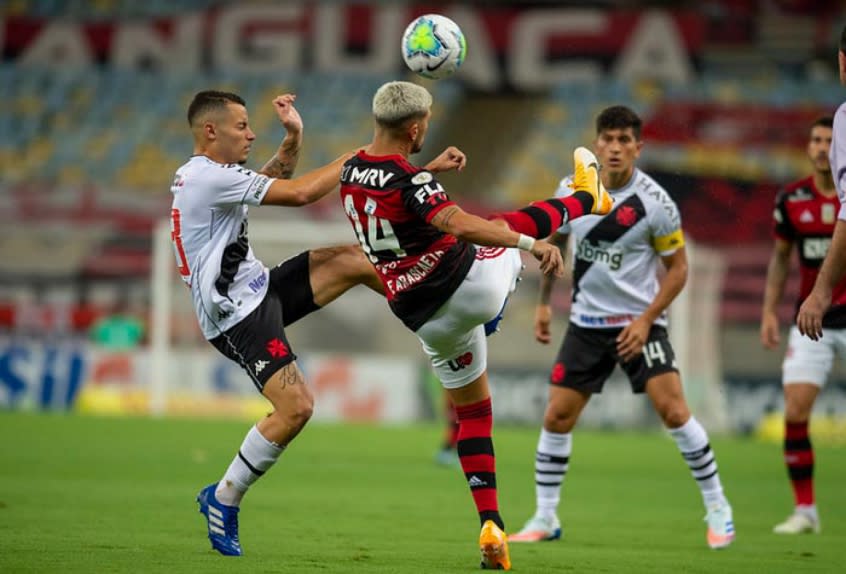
(308, 187)
(282, 164)
(474, 229)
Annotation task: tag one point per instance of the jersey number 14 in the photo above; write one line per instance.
(370, 241)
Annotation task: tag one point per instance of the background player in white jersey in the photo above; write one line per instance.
(618, 317)
(810, 317)
(804, 216)
(242, 307)
(439, 283)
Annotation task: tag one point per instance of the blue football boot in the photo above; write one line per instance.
(222, 522)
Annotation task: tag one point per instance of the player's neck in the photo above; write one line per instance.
(617, 180)
(383, 145)
(824, 183)
(206, 152)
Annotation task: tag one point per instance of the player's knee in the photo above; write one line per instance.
(674, 415)
(292, 400)
(795, 413)
(302, 411)
(297, 412)
(354, 254)
(559, 421)
(302, 406)
(355, 262)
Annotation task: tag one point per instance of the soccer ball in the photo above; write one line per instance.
(433, 46)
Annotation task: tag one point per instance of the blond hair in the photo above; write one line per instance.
(396, 102)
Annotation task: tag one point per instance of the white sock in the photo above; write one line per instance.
(692, 441)
(256, 456)
(809, 510)
(551, 462)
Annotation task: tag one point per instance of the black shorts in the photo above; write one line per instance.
(587, 358)
(258, 342)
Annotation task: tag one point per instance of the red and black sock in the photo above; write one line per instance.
(476, 453)
(799, 458)
(541, 218)
(451, 436)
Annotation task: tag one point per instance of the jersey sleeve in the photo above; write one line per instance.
(563, 190)
(424, 196)
(782, 228)
(837, 157)
(234, 184)
(667, 234)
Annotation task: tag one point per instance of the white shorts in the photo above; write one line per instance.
(454, 338)
(808, 361)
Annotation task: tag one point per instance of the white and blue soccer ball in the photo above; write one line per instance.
(433, 46)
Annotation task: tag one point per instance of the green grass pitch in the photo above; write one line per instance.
(85, 494)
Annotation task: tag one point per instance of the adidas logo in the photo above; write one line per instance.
(806, 217)
(216, 520)
(260, 365)
(475, 481)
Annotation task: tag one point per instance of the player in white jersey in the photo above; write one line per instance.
(618, 317)
(243, 308)
(810, 317)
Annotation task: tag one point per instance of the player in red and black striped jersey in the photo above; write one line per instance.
(804, 217)
(420, 265)
(438, 278)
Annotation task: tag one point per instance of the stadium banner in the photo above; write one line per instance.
(75, 375)
(756, 406)
(510, 46)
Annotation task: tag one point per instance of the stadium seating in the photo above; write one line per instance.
(564, 121)
(126, 131)
(103, 9)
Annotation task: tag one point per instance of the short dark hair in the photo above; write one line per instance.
(209, 100)
(824, 121)
(843, 40)
(618, 118)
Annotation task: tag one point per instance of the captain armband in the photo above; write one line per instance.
(669, 242)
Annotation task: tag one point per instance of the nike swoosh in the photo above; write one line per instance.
(431, 68)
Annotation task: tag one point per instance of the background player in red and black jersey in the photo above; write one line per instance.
(438, 282)
(804, 217)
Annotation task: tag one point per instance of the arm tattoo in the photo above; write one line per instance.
(446, 215)
(278, 168)
(282, 165)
